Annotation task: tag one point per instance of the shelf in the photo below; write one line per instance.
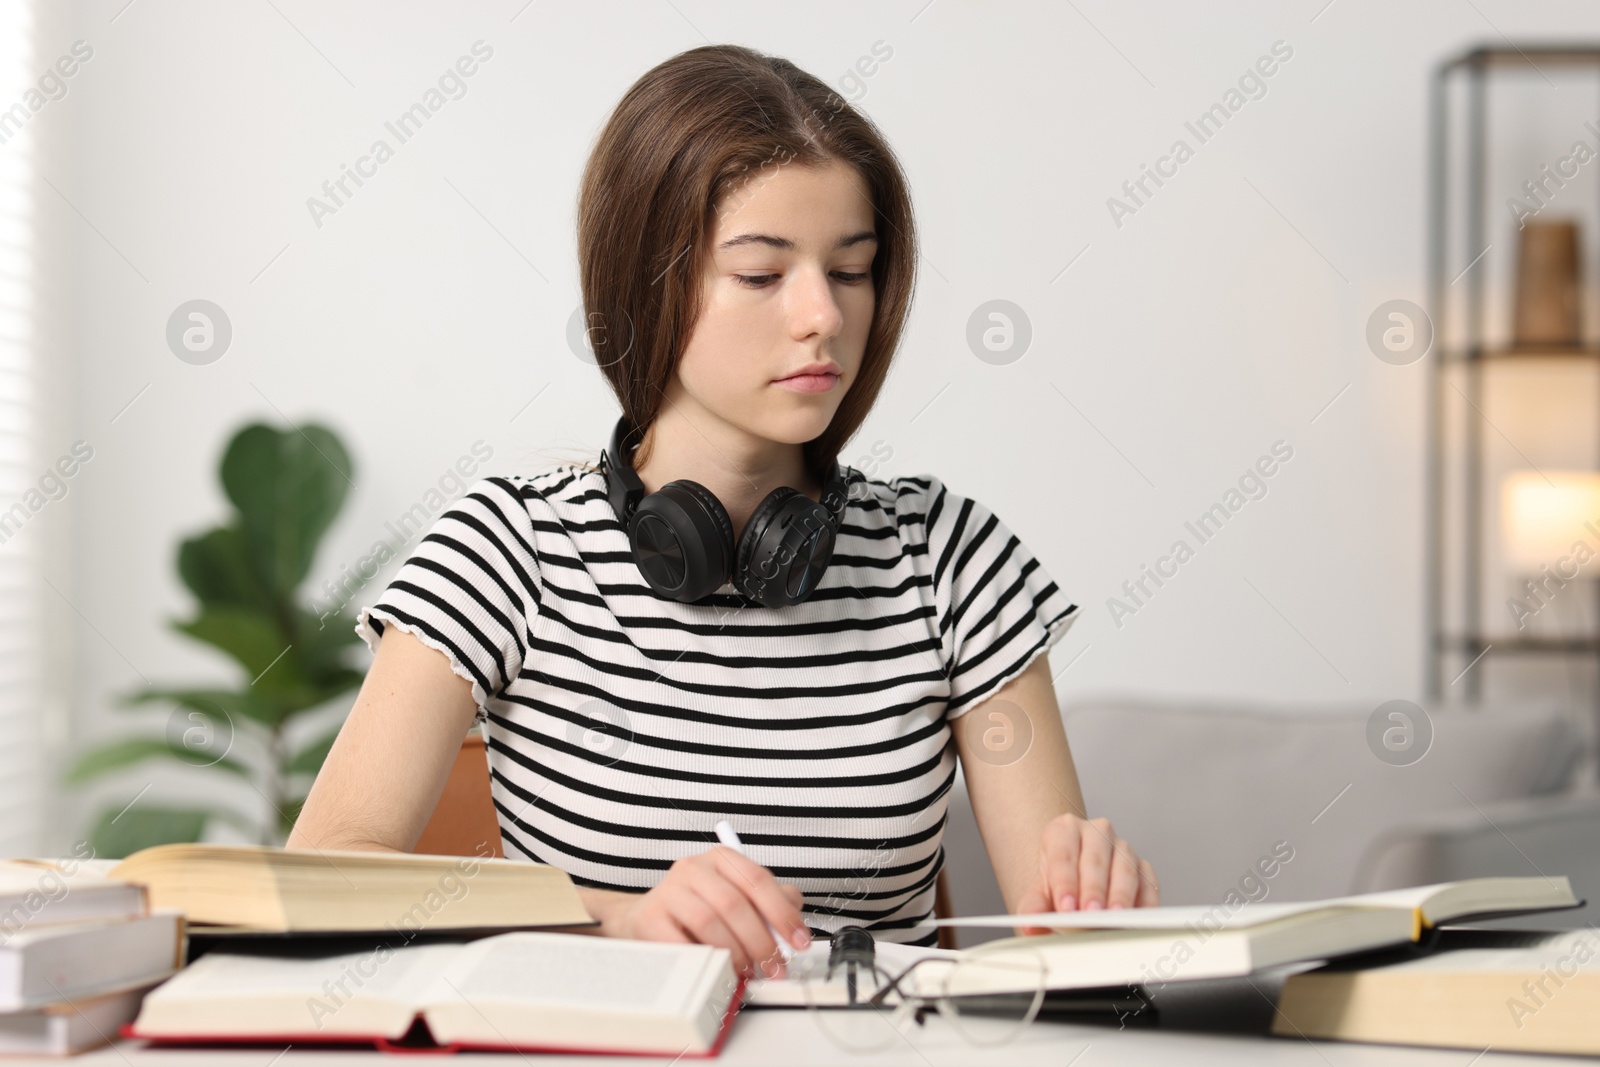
(1468, 121)
(1522, 56)
(1520, 645)
(1517, 353)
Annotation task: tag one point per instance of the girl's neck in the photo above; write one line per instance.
(738, 468)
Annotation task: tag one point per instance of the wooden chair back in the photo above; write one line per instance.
(464, 820)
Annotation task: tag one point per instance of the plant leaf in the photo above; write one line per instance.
(260, 703)
(292, 693)
(248, 827)
(216, 567)
(288, 486)
(289, 815)
(125, 753)
(229, 705)
(324, 645)
(332, 687)
(118, 833)
(250, 637)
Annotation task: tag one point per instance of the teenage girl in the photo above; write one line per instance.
(718, 621)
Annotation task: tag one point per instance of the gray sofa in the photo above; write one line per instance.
(1205, 789)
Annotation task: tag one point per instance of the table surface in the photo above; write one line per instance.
(774, 1037)
(1221, 1021)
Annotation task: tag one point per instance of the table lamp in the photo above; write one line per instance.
(1544, 513)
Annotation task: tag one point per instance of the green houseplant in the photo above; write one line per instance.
(285, 487)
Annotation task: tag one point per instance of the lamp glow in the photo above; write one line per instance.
(1543, 514)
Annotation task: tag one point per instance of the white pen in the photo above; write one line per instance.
(726, 835)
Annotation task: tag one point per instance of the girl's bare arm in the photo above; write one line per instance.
(388, 766)
(1046, 853)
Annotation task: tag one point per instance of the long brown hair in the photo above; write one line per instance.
(684, 140)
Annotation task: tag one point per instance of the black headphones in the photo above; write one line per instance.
(682, 538)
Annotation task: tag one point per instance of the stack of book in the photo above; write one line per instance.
(77, 953)
(411, 951)
(265, 945)
(1402, 969)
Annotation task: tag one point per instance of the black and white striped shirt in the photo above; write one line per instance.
(621, 726)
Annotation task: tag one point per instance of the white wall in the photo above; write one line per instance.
(1221, 318)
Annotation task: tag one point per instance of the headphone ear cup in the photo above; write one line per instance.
(682, 541)
(785, 549)
(754, 530)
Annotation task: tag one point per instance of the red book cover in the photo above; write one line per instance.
(390, 1045)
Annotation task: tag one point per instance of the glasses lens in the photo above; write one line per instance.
(854, 1025)
(989, 999)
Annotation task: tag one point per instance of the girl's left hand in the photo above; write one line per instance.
(1084, 865)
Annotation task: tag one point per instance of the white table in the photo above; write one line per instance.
(779, 1038)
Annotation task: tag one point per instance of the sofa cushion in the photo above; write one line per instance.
(1541, 835)
(1207, 790)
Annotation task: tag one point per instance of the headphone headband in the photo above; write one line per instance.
(682, 539)
(625, 487)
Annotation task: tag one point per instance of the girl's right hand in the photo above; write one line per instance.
(721, 898)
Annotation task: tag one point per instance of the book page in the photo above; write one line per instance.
(373, 992)
(23, 875)
(96, 867)
(576, 971)
(1410, 897)
(1165, 917)
(400, 974)
(1450, 898)
(1441, 901)
(572, 991)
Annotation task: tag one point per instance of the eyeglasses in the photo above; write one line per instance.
(988, 998)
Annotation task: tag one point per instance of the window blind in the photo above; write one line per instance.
(20, 735)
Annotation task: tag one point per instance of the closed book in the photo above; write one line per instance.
(1515, 990)
(49, 964)
(260, 889)
(35, 892)
(70, 1026)
(521, 991)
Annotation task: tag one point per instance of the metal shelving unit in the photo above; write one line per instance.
(1465, 644)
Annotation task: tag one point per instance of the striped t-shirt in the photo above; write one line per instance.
(621, 726)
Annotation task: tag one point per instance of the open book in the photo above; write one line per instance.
(257, 889)
(1162, 944)
(522, 991)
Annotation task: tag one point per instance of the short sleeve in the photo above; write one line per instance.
(469, 589)
(999, 609)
